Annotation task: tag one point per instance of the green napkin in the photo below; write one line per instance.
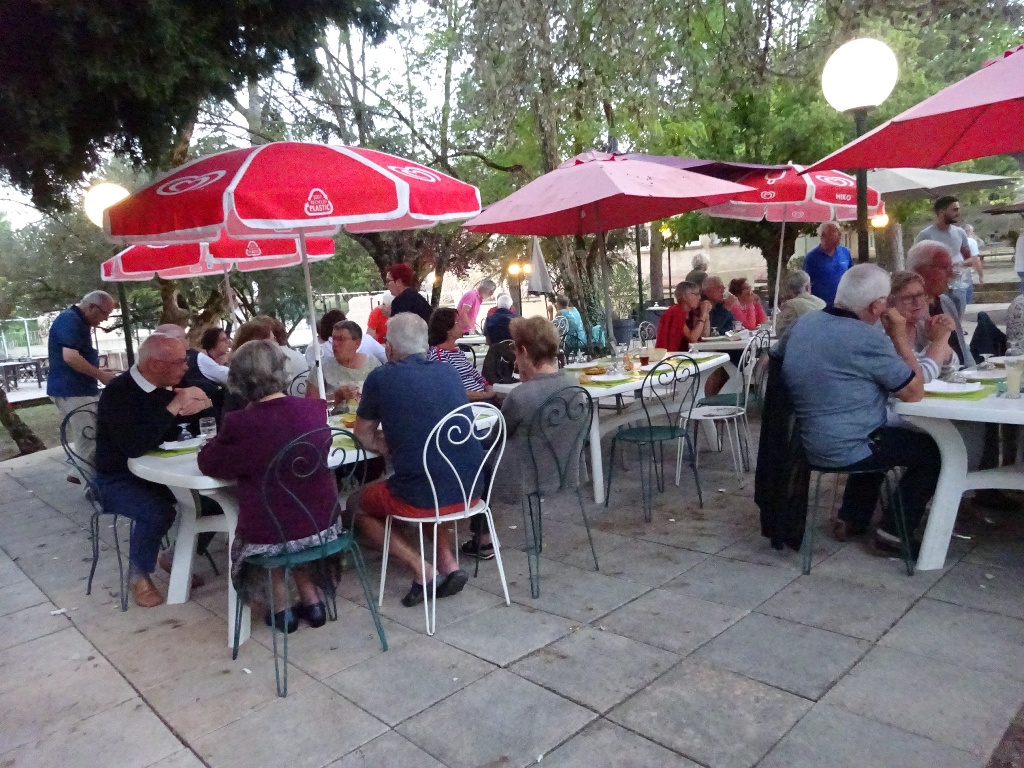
(980, 394)
(610, 384)
(174, 452)
(343, 441)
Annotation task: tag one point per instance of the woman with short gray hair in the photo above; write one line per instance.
(798, 302)
(699, 273)
(286, 520)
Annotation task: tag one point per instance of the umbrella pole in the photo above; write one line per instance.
(605, 269)
(778, 271)
(312, 315)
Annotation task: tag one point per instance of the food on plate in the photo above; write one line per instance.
(627, 362)
(584, 379)
(348, 420)
(595, 370)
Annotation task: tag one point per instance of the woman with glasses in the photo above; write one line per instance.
(929, 334)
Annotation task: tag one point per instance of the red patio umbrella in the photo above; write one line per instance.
(290, 190)
(978, 116)
(787, 194)
(595, 192)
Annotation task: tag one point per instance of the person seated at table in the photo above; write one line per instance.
(443, 334)
(840, 371)
(931, 260)
(212, 360)
(496, 328)
(324, 329)
(576, 336)
(377, 323)
(928, 334)
(347, 368)
(137, 411)
(290, 518)
(402, 402)
(469, 305)
(797, 300)
(684, 322)
(713, 289)
(536, 345)
(295, 361)
(747, 308)
(399, 280)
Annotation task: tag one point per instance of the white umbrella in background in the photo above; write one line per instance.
(898, 184)
(540, 279)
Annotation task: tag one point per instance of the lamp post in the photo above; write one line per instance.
(516, 272)
(859, 75)
(668, 236)
(97, 199)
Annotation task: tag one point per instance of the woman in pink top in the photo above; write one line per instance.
(747, 307)
(469, 305)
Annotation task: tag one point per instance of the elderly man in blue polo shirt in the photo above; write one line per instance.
(74, 365)
(840, 368)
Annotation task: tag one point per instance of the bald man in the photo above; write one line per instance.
(138, 410)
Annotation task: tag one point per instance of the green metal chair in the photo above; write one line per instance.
(316, 451)
(667, 395)
(87, 472)
(555, 439)
(752, 376)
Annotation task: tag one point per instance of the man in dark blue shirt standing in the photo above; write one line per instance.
(827, 263)
(75, 374)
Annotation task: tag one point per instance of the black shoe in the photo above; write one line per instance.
(415, 594)
(284, 621)
(885, 544)
(315, 615)
(453, 583)
(473, 548)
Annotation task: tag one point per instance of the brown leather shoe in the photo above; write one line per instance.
(145, 593)
(166, 561)
(840, 532)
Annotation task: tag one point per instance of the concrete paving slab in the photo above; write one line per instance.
(387, 751)
(30, 624)
(579, 594)
(732, 582)
(468, 602)
(985, 587)
(184, 758)
(503, 634)
(610, 746)
(671, 619)
(595, 668)
(830, 737)
(20, 595)
(644, 562)
(307, 729)
(853, 563)
(1005, 554)
(712, 716)
(529, 723)
(838, 606)
(758, 549)
(951, 704)
(421, 671)
(981, 640)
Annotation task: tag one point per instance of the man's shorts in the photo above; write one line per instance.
(378, 502)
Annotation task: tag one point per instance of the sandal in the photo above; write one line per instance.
(473, 548)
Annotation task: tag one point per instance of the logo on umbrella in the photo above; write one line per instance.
(181, 184)
(767, 195)
(252, 250)
(318, 203)
(838, 181)
(415, 172)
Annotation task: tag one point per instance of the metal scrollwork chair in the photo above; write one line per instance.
(87, 472)
(555, 439)
(483, 424)
(667, 395)
(469, 352)
(297, 387)
(646, 332)
(310, 453)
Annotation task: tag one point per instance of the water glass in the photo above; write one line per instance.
(1014, 370)
(208, 427)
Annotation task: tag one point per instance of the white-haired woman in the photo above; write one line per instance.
(699, 273)
(469, 305)
(797, 300)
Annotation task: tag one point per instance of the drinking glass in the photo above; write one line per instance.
(208, 427)
(1014, 370)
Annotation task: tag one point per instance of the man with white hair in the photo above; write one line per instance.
(827, 263)
(137, 411)
(840, 369)
(401, 402)
(496, 328)
(798, 300)
(75, 375)
(931, 260)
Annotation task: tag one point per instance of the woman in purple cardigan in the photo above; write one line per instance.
(243, 450)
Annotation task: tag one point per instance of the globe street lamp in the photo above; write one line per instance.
(859, 75)
(98, 198)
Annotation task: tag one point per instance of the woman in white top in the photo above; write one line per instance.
(346, 368)
(213, 357)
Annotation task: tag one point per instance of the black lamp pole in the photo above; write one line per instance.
(860, 117)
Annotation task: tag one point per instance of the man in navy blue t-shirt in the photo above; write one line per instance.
(74, 365)
(406, 398)
(827, 263)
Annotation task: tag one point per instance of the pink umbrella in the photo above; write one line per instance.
(978, 116)
(595, 192)
(289, 190)
(791, 195)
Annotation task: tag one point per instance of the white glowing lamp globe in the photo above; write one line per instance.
(101, 197)
(860, 74)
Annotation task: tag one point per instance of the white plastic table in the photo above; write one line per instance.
(598, 393)
(474, 340)
(935, 416)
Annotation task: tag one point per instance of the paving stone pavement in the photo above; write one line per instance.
(695, 644)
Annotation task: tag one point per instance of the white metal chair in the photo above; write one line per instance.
(484, 424)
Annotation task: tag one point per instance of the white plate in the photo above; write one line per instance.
(946, 388)
(606, 377)
(177, 445)
(974, 375)
(1001, 360)
(578, 366)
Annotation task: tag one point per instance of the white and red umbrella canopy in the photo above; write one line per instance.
(787, 195)
(596, 192)
(287, 188)
(138, 263)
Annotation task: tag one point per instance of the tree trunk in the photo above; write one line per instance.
(656, 276)
(20, 432)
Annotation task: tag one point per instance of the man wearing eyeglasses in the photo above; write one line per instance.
(75, 374)
(137, 411)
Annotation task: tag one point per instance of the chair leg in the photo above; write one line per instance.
(896, 499)
(123, 575)
(497, 554)
(432, 618)
(384, 560)
(94, 535)
(364, 582)
(807, 545)
(646, 494)
(281, 691)
(660, 475)
(238, 629)
(611, 470)
(531, 525)
(696, 476)
(586, 524)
